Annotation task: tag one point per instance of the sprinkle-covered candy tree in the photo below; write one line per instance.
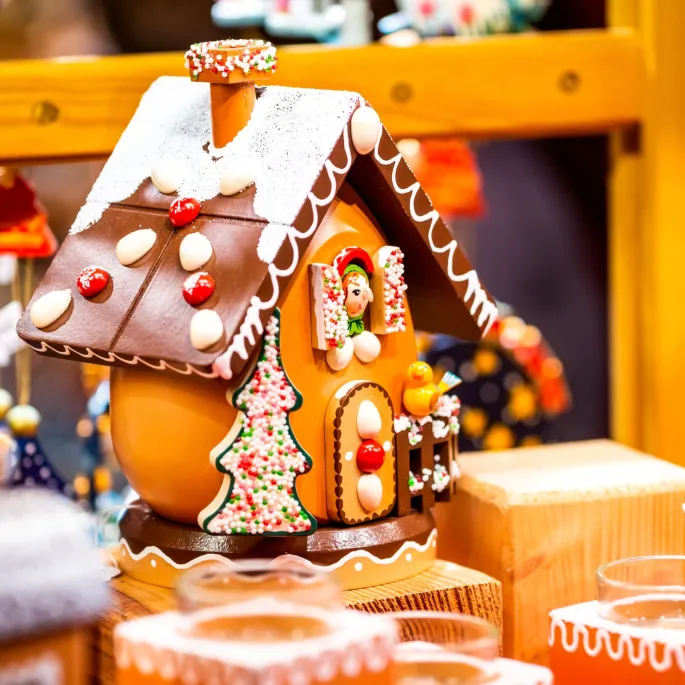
(262, 458)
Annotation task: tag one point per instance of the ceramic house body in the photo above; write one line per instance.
(277, 249)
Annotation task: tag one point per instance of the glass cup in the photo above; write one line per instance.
(445, 649)
(646, 592)
(273, 602)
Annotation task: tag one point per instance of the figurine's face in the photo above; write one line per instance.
(419, 372)
(357, 294)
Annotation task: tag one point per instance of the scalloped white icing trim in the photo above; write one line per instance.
(160, 644)
(474, 290)
(111, 358)
(252, 324)
(287, 558)
(638, 648)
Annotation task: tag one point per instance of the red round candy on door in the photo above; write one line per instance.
(198, 288)
(183, 210)
(92, 281)
(370, 456)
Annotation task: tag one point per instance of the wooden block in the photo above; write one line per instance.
(444, 587)
(542, 520)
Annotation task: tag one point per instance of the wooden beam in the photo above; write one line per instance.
(504, 86)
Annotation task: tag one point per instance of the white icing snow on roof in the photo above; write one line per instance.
(290, 135)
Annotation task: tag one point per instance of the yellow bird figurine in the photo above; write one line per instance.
(421, 395)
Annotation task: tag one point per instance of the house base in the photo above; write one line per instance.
(155, 550)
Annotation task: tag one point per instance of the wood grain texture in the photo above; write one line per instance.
(444, 587)
(546, 84)
(553, 515)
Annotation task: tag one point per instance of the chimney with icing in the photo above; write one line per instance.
(231, 67)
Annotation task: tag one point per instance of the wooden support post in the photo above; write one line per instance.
(647, 241)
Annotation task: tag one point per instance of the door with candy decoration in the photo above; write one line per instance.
(361, 470)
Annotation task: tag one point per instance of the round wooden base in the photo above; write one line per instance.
(155, 550)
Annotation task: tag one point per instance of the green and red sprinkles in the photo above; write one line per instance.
(253, 55)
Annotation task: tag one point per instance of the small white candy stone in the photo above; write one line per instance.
(206, 328)
(195, 251)
(237, 177)
(367, 346)
(366, 128)
(135, 245)
(369, 421)
(339, 357)
(48, 308)
(369, 491)
(167, 175)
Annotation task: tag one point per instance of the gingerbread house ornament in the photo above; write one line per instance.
(268, 245)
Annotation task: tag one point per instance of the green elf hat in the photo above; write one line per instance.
(355, 268)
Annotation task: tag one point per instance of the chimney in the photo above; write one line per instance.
(231, 68)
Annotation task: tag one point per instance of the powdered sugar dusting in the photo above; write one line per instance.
(290, 135)
(270, 241)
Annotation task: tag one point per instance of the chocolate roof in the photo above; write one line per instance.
(299, 142)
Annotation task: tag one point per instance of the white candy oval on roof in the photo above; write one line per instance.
(48, 308)
(366, 129)
(206, 329)
(135, 245)
(167, 175)
(237, 177)
(195, 251)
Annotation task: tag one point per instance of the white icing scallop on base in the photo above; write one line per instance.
(111, 358)
(474, 290)
(288, 558)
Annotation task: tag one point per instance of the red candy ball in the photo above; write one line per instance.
(198, 288)
(92, 281)
(370, 456)
(183, 210)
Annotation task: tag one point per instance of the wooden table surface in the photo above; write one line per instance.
(444, 587)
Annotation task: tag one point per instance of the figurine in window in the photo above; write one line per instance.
(358, 294)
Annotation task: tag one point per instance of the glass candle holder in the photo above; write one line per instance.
(445, 649)
(646, 592)
(217, 584)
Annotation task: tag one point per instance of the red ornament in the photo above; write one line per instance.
(183, 210)
(370, 456)
(198, 288)
(92, 281)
